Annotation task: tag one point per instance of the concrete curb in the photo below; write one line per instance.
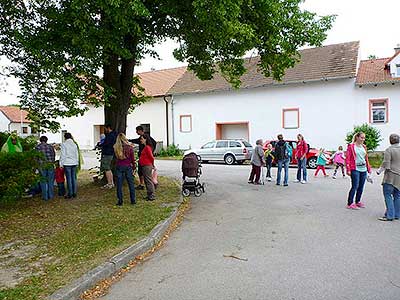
(88, 280)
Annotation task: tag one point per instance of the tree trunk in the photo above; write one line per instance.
(120, 80)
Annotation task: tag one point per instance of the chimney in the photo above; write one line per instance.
(397, 49)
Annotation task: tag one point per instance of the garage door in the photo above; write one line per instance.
(232, 131)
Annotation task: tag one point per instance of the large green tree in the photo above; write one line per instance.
(58, 48)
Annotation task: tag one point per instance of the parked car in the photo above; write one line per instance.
(311, 156)
(229, 151)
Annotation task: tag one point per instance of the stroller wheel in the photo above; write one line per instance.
(198, 192)
(186, 192)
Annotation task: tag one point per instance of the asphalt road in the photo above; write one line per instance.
(296, 243)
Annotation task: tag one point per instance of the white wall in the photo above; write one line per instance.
(395, 61)
(4, 121)
(84, 128)
(17, 127)
(328, 110)
(389, 91)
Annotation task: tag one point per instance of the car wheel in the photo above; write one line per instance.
(312, 163)
(229, 159)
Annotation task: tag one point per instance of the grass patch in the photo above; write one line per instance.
(53, 243)
(179, 157)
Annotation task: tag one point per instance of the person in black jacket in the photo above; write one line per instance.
(282, 156)
(140, 132)
(107, 155)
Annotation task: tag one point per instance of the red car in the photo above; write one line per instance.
(311, 156)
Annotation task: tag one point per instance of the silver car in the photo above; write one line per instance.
(229, 151)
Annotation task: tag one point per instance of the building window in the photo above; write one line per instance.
(378, 111)
(398, 70)
(186, 123)
(25, 130)
(146, 128)
(290, 118)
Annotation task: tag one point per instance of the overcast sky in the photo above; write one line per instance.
(376, 24)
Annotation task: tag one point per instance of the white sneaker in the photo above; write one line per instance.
(334, 176)
(296, 181)
(303, 182)
(269, 179)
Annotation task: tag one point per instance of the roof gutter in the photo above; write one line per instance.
(167, 115)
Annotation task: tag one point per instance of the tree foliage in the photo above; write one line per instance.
(58, 47)
(372, 136)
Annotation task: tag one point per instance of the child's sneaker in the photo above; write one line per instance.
(352, 206)
(296, 181)
(360, 204)
(334, 177)
(303, 182)
(344, 176)
(326, 175)
(269, 179)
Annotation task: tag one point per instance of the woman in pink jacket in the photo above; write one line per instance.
(357, 166)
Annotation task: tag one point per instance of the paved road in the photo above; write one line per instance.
(299, 241)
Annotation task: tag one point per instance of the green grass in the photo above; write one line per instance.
(179, 157)
(69, 238)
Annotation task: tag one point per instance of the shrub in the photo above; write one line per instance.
(372, 136)
(172, 150)
(27, 143)
(17, 173)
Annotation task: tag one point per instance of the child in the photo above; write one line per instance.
(59, 172)
(339, 159)
(269, 157)
(321, 162)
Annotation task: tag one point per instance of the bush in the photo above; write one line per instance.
(172, 150)
(17, 173)
(372, 136)
(28, 143)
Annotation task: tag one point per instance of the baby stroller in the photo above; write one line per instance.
(191, 169)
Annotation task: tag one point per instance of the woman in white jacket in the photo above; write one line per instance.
(69, 160)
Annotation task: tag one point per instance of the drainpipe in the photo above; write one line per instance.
(166, 118)
(173, 119)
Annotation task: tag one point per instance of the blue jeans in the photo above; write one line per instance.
(357, 185)
(61, 189)
(125, 172)
(70, 175)
(47, 183)
(285, 164)
(392, 199)
(301, 165)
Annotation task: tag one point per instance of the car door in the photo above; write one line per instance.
(206, 151)
(220, 149)
(293, 144)
(236, 148)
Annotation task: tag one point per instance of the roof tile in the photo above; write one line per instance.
(14, 114)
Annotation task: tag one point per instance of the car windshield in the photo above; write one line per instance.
(247, 144)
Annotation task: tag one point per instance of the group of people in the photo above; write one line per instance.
(282, 154)
(355, 159)
(117, 151)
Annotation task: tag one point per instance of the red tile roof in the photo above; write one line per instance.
(328, 62)
(14, 114)
(158, 83)
(373, 71)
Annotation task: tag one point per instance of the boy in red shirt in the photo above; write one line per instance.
(60, 179)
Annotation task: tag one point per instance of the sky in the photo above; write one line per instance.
(374, 23)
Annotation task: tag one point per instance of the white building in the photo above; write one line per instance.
(14, 119)
(322, 97)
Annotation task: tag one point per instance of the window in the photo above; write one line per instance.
(247, 144)
(33, 130)
(62, 135)
(234, 144)
(290, 118)
(378, 111)
(186, 123)
(146, 128)
(293, 145)
(397, 70)
(222, 144)
(24, 129)
(208, 145)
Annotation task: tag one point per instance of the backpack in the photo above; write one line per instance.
(289, 151)
(281, 151)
